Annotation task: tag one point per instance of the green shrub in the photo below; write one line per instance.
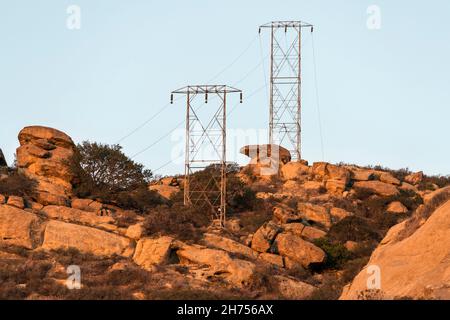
(336, 253)
(353, 228)
(186, 223)
(103, 171)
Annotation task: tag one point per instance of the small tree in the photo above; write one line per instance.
(105, 172)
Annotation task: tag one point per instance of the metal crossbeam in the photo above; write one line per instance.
(206, 134)
(285, 84)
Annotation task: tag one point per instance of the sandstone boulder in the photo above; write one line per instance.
(414, 178)
(77, 216)
(264, 236)
(231, 246)
(416, 267)
(294, 228)
(271, 258)
(150, 252)
(313, 186)
(263, 151)
(87, 205)
(293, 170)
(135, 231)
(293, 289)
(62, 235)
(396, 207)
(386, 177)
(377, 187)
(408, 187)
(338, 214)
(16, 227)
(266, 160)
(42, 156)
(235, 271)
(362, 174)
(285, 214)
(340, 173)
(315, 213)
(336, 187)
(2, 199)
(299, 250)
(311, 233)
(16, 201)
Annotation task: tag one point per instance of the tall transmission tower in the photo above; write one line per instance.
(205, 148)
(285, 84)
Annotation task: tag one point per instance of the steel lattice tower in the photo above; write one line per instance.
(206, 134)
(285, 84)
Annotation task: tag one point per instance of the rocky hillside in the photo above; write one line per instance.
(309, 230)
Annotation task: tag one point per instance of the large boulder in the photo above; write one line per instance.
(293, 289)
(87, 205)
(377, 187)
(219, 242)
(62, 235)
(285, 214)
(43, 156)
(416, 266)
(16, 201)
(16, 227)
(78, 216)
(396, 207)
(236, 271)
(298, 250)
(315, 213)
(293, 170)
(267, 159)
(263, 238)
(151, 252)
(414, 178)
(386, 177)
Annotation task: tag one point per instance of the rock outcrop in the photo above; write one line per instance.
(150, 252)
(236, 271)
(267, 159)
(414, 262)
(377, 187)
(43, 156)
(298, 250)
(62, 235)
(16, 226)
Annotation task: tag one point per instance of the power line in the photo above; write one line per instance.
(234, 61)
(144, 123)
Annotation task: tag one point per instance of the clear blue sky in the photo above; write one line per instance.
(384, 94)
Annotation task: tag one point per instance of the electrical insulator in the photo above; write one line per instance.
(285, 29)
(312, 29)
(206, 97)
(240, 96)
(171, 98)
(259, 31)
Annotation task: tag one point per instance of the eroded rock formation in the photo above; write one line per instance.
(43, 156)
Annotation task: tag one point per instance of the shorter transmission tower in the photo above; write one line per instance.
(285, 84)
(205, 148)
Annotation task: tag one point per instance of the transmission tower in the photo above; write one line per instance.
(285, 84)
(206, 148)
